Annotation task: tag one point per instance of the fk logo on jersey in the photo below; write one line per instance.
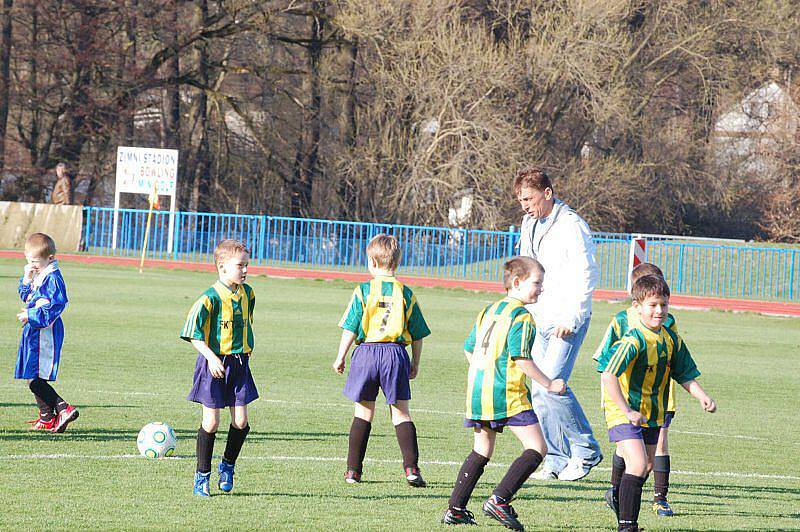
(226, 324)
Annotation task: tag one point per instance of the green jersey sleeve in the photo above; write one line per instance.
(197, 322)
(622, 353)
(521, 335)
(351, 319)
(416, 325)
(683, 367)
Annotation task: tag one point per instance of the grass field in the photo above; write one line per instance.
(124, 365)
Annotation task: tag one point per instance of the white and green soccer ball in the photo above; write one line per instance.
(156, 440)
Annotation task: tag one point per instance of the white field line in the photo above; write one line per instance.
(420, 410)
(279, 458)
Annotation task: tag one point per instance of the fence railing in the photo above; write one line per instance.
(722, 270)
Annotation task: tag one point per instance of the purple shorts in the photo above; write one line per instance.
(378, 365)
(236, 388)
(523, 419)
(668, 419)
(627, 431)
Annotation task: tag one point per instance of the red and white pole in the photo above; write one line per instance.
(636, 256)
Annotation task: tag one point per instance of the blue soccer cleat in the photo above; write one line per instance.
(201, 484)
(225, 476)
(662, 508)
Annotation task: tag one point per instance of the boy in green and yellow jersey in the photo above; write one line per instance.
(499, 353)
(220, 327)
(382, 318)
(619, 325)
(636, 372)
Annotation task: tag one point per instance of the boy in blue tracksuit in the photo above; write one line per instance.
(44, 293)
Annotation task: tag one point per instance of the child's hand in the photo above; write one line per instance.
(27, 275)
(215, 367)
(708, 404)
(412, 373)
(636, 418)
(338, 365)
(23, 316)
(557, 386)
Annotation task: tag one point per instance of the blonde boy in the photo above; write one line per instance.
(44, 293)
(220, 327)
(499, 353)
(382, 318)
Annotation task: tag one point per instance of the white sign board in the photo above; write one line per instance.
(137, 169)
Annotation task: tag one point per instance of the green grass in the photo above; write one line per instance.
(124, 365)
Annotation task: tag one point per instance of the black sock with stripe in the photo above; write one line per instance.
(661, 467)
(630, 500)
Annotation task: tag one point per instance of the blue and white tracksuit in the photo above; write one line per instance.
(40, 347)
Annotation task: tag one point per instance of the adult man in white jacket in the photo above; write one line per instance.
(557, 237)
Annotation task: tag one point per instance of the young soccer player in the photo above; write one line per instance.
(43, 290)
(382, 318)
(499, 353)
(220, 327)
(635, 374)
(661, 463)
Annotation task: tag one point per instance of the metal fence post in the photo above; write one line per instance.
(510, 241)
(791, 275)
(680, 268)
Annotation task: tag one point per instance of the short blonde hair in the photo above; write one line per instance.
(519, 268)
(385, 251)
(40, 245)
(228, 248)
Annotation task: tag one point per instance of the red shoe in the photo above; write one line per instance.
(38, 424)
(64, 418)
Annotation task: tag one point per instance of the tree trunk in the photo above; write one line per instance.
(307, 169)
(5, 61)
(200, 190)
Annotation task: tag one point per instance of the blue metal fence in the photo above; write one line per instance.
(740, 271)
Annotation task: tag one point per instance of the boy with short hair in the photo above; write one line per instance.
(220, 327)
(44, 292)
(635, 374)
(499, 353)
(619, 325)
(382, 318)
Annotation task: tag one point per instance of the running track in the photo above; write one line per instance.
(774, 308)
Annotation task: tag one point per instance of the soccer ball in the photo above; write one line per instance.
(156, 440)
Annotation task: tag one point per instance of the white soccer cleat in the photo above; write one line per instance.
(577, 468)
(544, 474)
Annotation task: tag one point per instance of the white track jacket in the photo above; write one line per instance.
(563, 244)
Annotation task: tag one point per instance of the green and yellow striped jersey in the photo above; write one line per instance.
(223, 319)
(384, 310)
(645, 361)
(496, 386)
(620, 324)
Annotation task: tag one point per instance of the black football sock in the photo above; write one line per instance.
(205, 448)
(357, 445)
(661, 467)
(42, 389)
(471, 470)
(630, 500)
(45, 412)
(617, 470)
(234, 444)
(407, 438)
(519, 471)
